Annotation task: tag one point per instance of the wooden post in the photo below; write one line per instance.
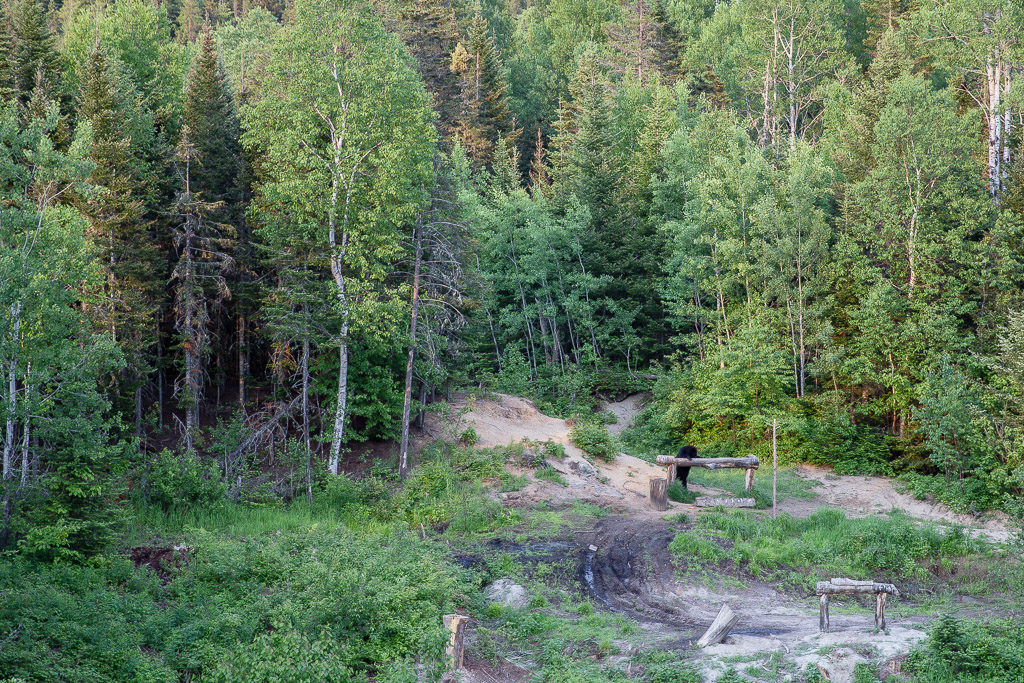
(456, 623)
(659, 493)
(823, 619)
(748, 480)
(670, 474)
(719, 628)
(775, 468)
(880, 611)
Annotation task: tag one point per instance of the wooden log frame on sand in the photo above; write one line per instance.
(824, 589)
(747, 462)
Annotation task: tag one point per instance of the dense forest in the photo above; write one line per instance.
(240, 242)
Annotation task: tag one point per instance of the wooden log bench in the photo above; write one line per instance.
(825, 589)
(748, 462)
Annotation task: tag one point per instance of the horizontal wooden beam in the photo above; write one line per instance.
(849, 586)
(747, 462)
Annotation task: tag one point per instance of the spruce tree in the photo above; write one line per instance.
(117, 225)
(210, 116)
(486, 114)
(34, 61)
(8, 84)
(190, 19)
(200, 285)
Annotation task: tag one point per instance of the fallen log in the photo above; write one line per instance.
(719, 628)
(254, 437)
(724, 501)
(748, 461)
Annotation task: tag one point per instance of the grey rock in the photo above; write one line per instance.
(508, 593)
(582, 467)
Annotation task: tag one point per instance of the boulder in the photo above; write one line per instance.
(508, 593)
(581, 467)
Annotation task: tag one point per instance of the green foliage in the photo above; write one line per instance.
(825, 544)
(593, 439)
(549, 473)
(965, 650)
(182, 480)
(679, 494)
(340, 601)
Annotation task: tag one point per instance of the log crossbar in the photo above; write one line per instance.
(748, 462)
(825, 589)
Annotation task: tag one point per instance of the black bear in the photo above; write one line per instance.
(683, 472)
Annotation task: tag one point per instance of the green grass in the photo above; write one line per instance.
(829, 544)
(790, 484)
(677, 493)
(549, 473)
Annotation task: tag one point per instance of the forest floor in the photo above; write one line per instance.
(632, 572)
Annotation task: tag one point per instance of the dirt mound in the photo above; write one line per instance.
(163, 560)
(625, 410)
(860, 496)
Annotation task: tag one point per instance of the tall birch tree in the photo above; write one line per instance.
(345, 139)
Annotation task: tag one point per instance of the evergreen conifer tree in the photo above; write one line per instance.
(34, 59)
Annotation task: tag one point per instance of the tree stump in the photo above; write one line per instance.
(659, 493)
(456, 623)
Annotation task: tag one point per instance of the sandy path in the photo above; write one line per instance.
(623, 484)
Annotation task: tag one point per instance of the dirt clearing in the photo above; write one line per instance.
(625, 565)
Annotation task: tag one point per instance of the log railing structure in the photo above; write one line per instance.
(659, 486)
(747, 462)
(825, 589)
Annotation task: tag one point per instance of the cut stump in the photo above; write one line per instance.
(456, 623)
(659, 493)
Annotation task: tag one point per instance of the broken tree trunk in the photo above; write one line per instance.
(659, 493)
(726, 502)
(456, 623)
(719, 628)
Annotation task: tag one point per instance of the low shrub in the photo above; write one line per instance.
(593, 439)
(959, 651)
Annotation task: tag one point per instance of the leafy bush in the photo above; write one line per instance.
(182, 480)
(960, 651)
(593, 439)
